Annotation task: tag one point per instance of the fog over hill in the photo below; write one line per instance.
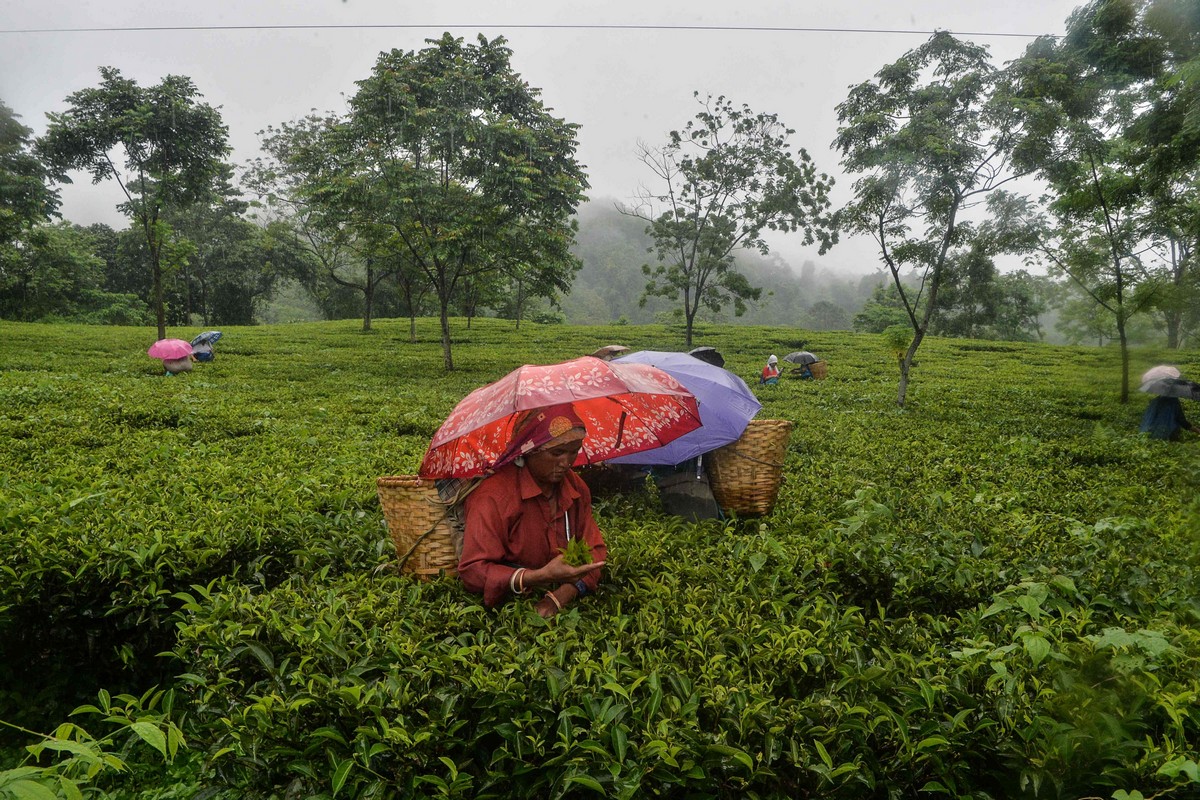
(613, 247)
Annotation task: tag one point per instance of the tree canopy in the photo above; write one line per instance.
(450, 164)
(1086, 99)
(171, 142)
(931, 136)
(722, 181)
(26, 199)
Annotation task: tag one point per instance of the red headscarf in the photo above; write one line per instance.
(542, 428)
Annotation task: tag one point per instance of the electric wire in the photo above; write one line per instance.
(538, 26)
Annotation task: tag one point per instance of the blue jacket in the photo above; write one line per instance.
(1164, 418)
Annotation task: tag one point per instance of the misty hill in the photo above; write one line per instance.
(613, 247)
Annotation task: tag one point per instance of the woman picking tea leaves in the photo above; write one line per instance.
(529, 525)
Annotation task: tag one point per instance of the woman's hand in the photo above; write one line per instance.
(556, 600)
(559, 571)
(546, 608)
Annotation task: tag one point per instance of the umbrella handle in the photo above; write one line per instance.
(620, 431)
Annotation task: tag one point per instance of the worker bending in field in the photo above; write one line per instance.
(521, 519)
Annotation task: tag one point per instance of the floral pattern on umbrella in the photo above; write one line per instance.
(627, 408)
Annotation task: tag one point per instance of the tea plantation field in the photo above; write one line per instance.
(991, 593)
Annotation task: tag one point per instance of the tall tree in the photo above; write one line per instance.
(455, 154)
(172, 146)
(210, 224)
(931, 134)
(26, 199)
(825, 315)
(284, 179)
(1166, 138)
(1081, 95)
(236, 265)
(722, 181)
(1023, 299)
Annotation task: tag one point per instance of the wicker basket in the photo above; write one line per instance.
(420, 525)
(745, 475)
(819, 369)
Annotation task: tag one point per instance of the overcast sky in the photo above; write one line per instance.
(621, 85)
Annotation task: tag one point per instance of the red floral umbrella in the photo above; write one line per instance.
(627, 408)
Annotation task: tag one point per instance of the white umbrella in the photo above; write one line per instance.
(1161, 371)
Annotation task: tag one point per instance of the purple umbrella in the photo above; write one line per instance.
(726, 406)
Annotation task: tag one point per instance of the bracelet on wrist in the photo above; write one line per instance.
(558, 603)
(516, 581)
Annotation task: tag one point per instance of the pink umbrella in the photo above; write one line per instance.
(170, 349)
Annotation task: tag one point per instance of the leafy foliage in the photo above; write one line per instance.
(26, 199)
(723, 180)
(1106, 131)
(71, 761)
(931, 135)
(577, 553)
(172, 145)
(988, 594)
(448, 166)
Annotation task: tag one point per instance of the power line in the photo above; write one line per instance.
(721, 28)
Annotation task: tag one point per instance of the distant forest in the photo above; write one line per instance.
(613, 247)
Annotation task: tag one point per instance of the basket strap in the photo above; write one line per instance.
(459, 492)
(449, 506)
(421, 538)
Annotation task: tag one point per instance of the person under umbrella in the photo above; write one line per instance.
(202, 345)
(726, 407)
(609, 351)
(513, 442)
(804, 361)
(725, 402)
(175, 354)
(709, 355)
(1164, 417)
(521, 519)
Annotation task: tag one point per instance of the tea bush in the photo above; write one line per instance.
(990, 593)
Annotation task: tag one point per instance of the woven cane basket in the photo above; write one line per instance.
(745, 475)
(819, 369)
(419, 524)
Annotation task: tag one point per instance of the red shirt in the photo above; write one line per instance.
(508, 525)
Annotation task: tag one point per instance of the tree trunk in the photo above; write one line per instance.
(520, 304)
(447, 359)
(1180, 258)
(689, 317)
(1124, 359)
(906, 365)
(187, 295)
(368, 297)
(1173, 329)
(204, 303)
(160, 311)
